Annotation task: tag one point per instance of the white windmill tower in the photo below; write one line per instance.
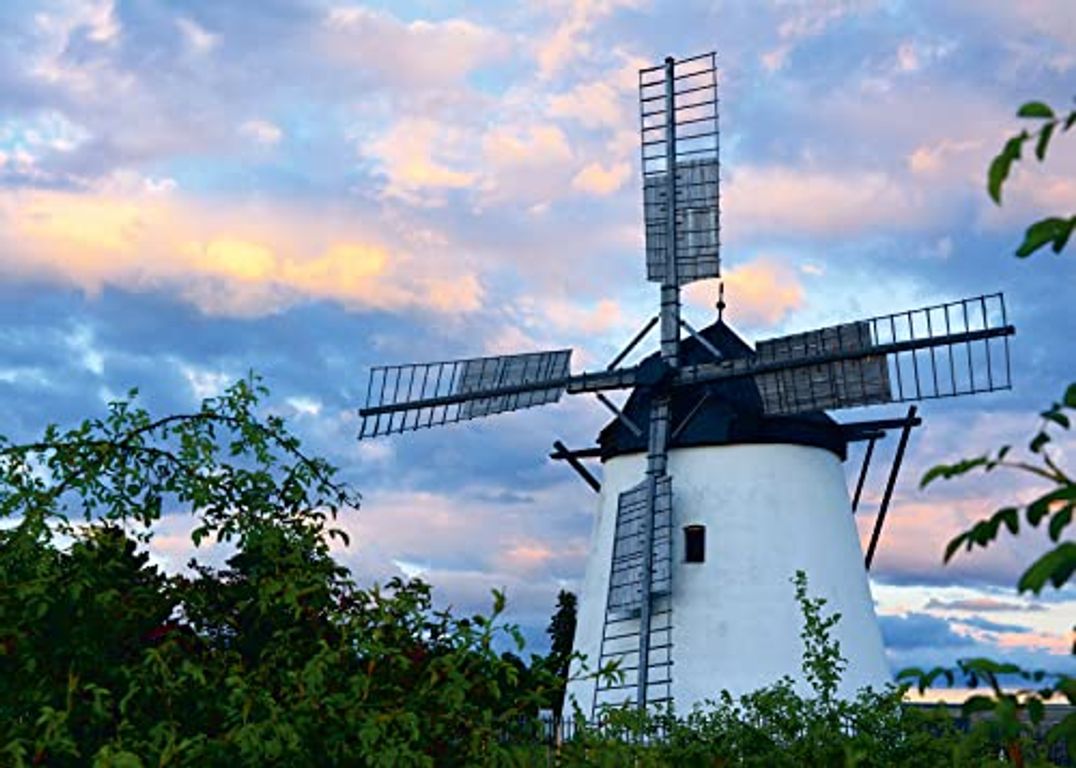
(722, 473)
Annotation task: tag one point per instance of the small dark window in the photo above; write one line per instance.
(694, 543)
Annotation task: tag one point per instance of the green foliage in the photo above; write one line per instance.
(1015, 714)
(1053, 506)
(275, 659)
(782, 727)
(561, 631)
(1054, 231)
(278, 658)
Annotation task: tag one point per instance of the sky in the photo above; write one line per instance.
(304, 188)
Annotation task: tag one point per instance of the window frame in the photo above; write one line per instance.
(694, 543)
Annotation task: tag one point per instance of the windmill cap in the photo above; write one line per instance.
(730, 414)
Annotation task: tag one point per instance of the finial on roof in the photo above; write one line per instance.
(721, 300)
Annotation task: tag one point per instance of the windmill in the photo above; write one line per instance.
(715, 434)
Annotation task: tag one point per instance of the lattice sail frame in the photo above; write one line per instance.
(934, 352)
(695, 145)
(459, 390)
(625, 576)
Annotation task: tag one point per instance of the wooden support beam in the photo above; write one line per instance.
(562, 453)
(876, 534)
(863, 473)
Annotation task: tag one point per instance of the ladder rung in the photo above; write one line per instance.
(635, 667)
(661, 612)
(624, 686)
(636, 634)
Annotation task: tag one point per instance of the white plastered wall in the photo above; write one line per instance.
(769, 510)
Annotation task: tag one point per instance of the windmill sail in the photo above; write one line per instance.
(838, 384)
(944, 350)
(626, 575)
(646, 667)
(491, 373)
(403, 398)
(686, 146)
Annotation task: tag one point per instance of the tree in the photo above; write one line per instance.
(561, 631)
(278, 658)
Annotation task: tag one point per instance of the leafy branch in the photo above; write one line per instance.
(126, 466)
(1053, 507)
(1054, 231)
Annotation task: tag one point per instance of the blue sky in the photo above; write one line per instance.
(190, 190)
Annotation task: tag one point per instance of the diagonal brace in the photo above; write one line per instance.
(632, 344)
(702, 340)
(619, 414)
(876, 534)
(562, 453)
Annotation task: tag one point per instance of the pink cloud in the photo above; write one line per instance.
(226, 260)
(779, 200)
(569, 41)
(415, 54)
(600, 180)
(759, 293)
(422, 157)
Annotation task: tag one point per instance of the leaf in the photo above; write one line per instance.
(1010, 517)
(995, 177)
(1040, 507)
(1070, 120)
(1055, 567)
(955, 544)
(999, 168)
(1053, 230)
(977, 703)
(949, 471)
(1044, 140)
(1036, 109)
(1055, 415)
(1059, 522)
(1038, 442)
(1070, 396)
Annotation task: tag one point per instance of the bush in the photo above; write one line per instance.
(276, 659)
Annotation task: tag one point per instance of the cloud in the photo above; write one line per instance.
(563, 316)
(983, 605)
(597, 179)
(807, 20)
(1033, 190)
(986, 625)
(914, 55)
(759, 293)
(920, 630)
(594, 105)
(223, 261)
(421, 158)
(936, 158)
(569, 39)
(780, 201)
(526, 163)
(198, 38)
(469, 542)
(67, 36)
(418, 53)
(261, 131)
(1045, 19)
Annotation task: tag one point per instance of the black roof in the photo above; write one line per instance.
(731, 414)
